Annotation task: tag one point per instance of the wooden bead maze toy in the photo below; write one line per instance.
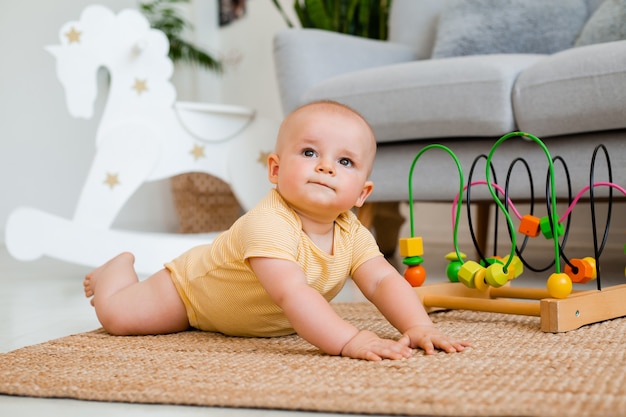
(484, 285)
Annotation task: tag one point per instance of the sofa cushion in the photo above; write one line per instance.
(414, 23)
(463, 96)
(304, 57)
(508, 26)
(578, 90)
(608, 23)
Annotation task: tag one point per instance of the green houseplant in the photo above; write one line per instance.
(166, 16)
(366, 18)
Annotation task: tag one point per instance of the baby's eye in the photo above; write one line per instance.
(345, 162)
(310, 153)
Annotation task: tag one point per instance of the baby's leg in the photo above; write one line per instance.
(124, 305)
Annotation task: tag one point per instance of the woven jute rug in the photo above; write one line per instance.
(513, 369)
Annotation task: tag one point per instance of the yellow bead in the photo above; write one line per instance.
(495, 276)
(411, 246)
(452, 256)
(592, 262)
(467, 272)
(516, 265)
(559, 285)
(479, 279)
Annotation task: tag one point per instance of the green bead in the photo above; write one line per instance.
(413, 260)
(546, 230)
(490, 261)
(452, 271)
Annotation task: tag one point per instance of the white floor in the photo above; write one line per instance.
(43, 300)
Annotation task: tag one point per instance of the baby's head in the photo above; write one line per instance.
(324, 155)
(319, 112)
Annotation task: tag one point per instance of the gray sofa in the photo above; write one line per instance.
(463, 73)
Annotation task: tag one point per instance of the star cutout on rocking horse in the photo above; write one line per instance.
(197, 152)
(140, 86)
(73, 35)
(112, 180)
(263, 158)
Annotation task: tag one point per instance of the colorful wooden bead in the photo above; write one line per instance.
(452, 256)
(413, 260)
(479, 279)
(559, 285)
(452, 270)
(516, 266)
(411, 246)
(415, 275)
(581, 271)
(496, 276)
(466, 273)
(544, 225)
(529, 225)
(490, 261)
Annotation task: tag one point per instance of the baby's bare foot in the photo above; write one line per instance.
(91, 279)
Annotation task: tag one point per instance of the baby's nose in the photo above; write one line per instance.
(325, 168)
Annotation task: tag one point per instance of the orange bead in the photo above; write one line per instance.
(559, 285)
(583, 271)
(529, 225)
(415, 275)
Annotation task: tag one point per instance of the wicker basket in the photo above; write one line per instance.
(204, 203)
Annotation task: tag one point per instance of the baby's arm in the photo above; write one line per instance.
(396, 299)
(315, 320)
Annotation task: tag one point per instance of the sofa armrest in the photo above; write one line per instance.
(304, 57)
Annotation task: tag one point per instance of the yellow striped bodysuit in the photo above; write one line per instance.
(220, 291)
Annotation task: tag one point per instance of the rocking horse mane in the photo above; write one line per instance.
(123, 43)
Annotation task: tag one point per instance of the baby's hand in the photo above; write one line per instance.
(367, 345)
(429, 338)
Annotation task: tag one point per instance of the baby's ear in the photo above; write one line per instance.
(368, 187)
(272, 168)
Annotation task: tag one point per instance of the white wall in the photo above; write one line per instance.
(45, 154)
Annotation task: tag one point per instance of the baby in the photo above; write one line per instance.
(276, 269)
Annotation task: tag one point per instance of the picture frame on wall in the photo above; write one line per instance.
(231, 10)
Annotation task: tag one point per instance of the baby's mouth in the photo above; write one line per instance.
(322, 184)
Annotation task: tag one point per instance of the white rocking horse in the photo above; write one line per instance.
(143, 136)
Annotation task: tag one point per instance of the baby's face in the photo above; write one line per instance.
(323, 162)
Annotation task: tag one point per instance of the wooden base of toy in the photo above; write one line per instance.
(557, 315)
